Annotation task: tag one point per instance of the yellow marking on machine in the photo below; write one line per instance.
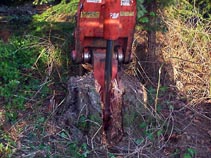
(126, 13)
(90, 14)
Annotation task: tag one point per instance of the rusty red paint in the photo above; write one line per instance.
(99, 20)
(99, 66)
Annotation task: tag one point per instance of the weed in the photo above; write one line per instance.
(189, 153)
(111, 155)
(6, 146)
(18, 82)
(82, 122)
(78, 151)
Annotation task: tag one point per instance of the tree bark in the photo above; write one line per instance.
(83, 100)
(151, 33)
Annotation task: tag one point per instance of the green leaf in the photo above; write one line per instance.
(171, 107)
(86, 153)
(63, 135)
(159, 132)
(41, 120)
(140, 2)
(1, 147)
(111, 155)
(150, 136)
(159, 108)
(143, 125)
(139, 141)
(152, 14)
(163, 88)
(144, 20)
(187, 155)
(191, 151)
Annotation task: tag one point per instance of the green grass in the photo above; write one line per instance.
(18, 74)
(55, 12)
(32, 64)
(27, 59)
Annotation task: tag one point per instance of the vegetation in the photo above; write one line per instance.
(190, 60)
(35, 66)
(178, 25)
(18, 80)
(32, 65)
(35, 2)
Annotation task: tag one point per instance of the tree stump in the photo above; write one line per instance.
(83, 107)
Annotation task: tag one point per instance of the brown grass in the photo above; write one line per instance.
(187, 48)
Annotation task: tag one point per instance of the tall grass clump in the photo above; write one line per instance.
(186, 47)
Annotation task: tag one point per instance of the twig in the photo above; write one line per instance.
(92, 144)
(158, 88)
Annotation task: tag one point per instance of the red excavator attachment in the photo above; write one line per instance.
(103, 37)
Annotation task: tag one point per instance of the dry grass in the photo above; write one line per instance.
(186, 47)
(183, 54)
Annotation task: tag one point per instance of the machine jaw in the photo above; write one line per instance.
(103, 37)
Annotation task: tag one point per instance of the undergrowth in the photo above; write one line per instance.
(62, 12)
(33, 64)
(23, 81)
(19, 81)
(186, 47)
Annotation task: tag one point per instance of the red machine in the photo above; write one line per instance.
(103, 37)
